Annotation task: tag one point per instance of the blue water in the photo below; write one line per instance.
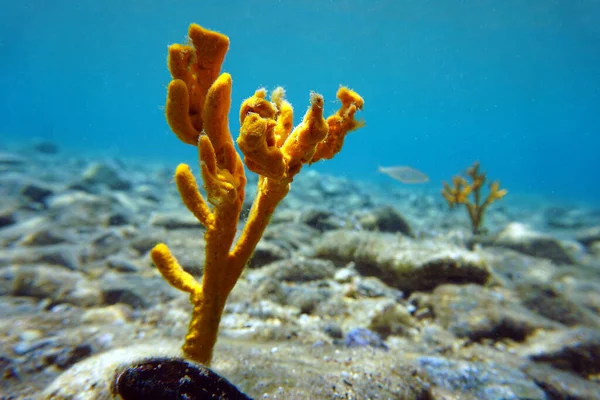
(513, 84)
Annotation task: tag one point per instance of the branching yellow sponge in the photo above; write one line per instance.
(197, 109)
(461, 189)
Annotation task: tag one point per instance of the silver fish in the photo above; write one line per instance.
(404, 174)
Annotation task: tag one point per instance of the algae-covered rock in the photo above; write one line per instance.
(476, 312)
(401, 262)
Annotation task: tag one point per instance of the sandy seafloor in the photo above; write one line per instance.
(356, 291)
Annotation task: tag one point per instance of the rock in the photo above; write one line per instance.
(9, 161)
(69, 356)
(36, 192)
(403, 263)
(390, 318)
(322, 220)
(94, 377)
(562, 384)
(575, 349)
(345, 275)
(512, 268)
(11, 234)
(333, 330)
(104, 174)
(113, 314)
(477, 380)
(548, 300)
(267, 252)
(148, 192)
(45, 147)
(179, 219)
(118, 218)
(307, 299)
(105, 244)
(268, 289)
(481, 313)
(519, 237)
(144, 241)
(7, 217)
(362, 337)
(300, 269)
(385, 219)
(372, 287)
(574, 218)
(160, 377)
(588, 236)
(56, 284)
(122, 264)
(135, 290)
(80, 209)
(594, 248)
(45, 236)
(64, 255)
(292, 236)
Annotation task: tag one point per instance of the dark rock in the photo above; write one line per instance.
(322, 220)
(118, 218)
(173, 378)
(267, 252)
(69, 356)
(385, 219)
(36, 191)
(7, 217)
(333, 330)
(45, 147)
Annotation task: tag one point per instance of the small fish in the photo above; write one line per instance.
(404, 174)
